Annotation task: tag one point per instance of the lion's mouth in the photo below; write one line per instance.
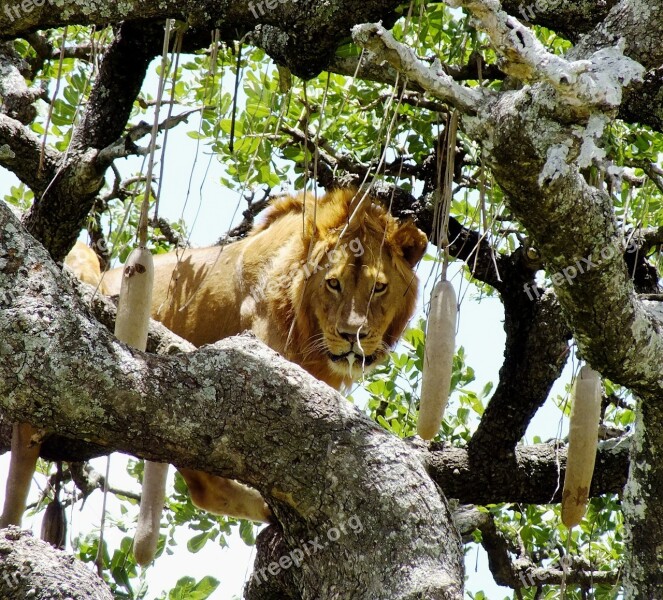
(353, 357)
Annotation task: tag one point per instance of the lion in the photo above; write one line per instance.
(329, 283)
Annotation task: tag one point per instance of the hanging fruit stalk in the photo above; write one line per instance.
(133, 317)
(583, 440)
(438, 359)
(152, 496)
(154, 474)
(441, 326)
(24, 455)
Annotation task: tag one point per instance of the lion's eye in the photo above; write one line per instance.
(379, 287)
(334, 284)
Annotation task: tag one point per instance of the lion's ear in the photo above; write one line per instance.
(412, 242)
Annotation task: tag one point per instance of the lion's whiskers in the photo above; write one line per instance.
(316, 343)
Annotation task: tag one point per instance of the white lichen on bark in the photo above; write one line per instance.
(433, 79)
(596, 81)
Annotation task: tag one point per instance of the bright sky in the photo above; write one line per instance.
(207, 212)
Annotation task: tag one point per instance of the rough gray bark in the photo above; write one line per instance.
(30, 568)
(570, 18)
(302, 38)
(614, 331)
(230, 409)
(527, 474)
(642, 504)
(530, 474)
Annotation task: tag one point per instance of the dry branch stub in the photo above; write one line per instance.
(583, 441)
(438, 359)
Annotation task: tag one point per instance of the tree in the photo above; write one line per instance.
(556, 209)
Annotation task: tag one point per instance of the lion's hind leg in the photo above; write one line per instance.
(225, 497)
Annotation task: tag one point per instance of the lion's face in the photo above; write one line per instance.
(359, 293)
(355, 300)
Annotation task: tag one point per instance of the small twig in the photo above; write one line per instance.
(168, 232)
(145, 206)
(254, 208)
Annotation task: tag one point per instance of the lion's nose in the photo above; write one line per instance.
(351, 336)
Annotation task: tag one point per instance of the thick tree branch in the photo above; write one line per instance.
(20, 151)
(643, 102)
(16, 98)
(603, 23)
(303, 40)
(531, 474)
(573, 225)
(582, 84)
(628, 21)
(121, 76)
(30, 568)
(381, 43)
(550, 140)
(570, 18)
(160, 341)
(537, 467)
(535, 353)
(586, 262)
(366, 67)
(211, 410)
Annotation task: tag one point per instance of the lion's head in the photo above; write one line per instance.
(344, 288)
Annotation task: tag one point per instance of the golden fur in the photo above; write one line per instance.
(85, 265)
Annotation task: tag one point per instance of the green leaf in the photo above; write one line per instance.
(188, 589)
(247, 532)
(197, 542)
